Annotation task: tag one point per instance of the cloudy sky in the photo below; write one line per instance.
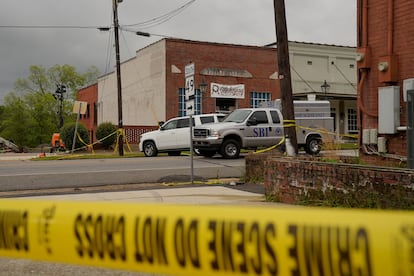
(50, 32)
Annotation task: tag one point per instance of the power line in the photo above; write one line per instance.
(145, 24)
(109, 52)
(47, 27)
(163, 18)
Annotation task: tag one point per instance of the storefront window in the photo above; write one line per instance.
(182, 107)
(257, 97)
(225, 105)
(352, 121)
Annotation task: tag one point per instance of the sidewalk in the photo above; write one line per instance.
(191, 194)
(11, 156)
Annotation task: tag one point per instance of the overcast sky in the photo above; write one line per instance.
(246, 22)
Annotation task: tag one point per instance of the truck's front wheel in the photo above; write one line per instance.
(230, 149)
(150, 149)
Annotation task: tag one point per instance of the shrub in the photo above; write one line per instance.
(66, 134)
(105, 130)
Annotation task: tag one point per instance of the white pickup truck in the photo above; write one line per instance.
(252, 128)
(174, 135)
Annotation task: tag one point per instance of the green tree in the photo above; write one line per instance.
(42, 109)
(37, 81)
(107, 131)
(46, 80)
(67, 76)
(1, 116)
(67, 132)
(30, 112)
(17, 123)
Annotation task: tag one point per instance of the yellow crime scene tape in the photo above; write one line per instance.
(209, 240)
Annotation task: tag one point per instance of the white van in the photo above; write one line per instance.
(174, 135)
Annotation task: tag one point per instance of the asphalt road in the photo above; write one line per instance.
(19, 175)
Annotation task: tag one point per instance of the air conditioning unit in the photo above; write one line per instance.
(408, 84)
(373, 136)
(366, 136)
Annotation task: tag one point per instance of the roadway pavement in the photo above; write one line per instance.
(16, 173)
(175, 189)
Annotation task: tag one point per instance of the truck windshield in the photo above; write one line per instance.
(237, 116)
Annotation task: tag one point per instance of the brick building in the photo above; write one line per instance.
(385, 63)
(90, 95)
(153, 82)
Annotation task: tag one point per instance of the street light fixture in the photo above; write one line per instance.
(143, 34)
(325, 88)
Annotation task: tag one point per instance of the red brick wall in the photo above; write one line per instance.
(377, 41)
(90, 95)
(132, 133)
(260, 62)
(297, 181)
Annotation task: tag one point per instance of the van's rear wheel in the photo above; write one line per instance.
(230, 149)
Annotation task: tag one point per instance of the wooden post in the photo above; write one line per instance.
(284, 72)
(118, 78)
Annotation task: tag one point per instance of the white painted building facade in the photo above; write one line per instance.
(143, 81)
(312, 65)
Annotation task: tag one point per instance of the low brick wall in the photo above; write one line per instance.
(296, 181)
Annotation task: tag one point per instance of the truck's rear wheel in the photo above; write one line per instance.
(313, 145)
(230, 149)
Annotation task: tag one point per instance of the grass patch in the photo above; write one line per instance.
(348, 146)
(77, 156)
(340, 146)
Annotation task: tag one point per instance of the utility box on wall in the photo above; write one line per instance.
(388, 69)
(410, 129)
(388, 109)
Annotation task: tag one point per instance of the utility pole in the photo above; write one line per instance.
(284, 73)
(118, 77)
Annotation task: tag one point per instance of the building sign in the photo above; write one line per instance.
(227, 91)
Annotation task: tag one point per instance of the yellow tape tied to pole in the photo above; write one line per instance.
(209, 240)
